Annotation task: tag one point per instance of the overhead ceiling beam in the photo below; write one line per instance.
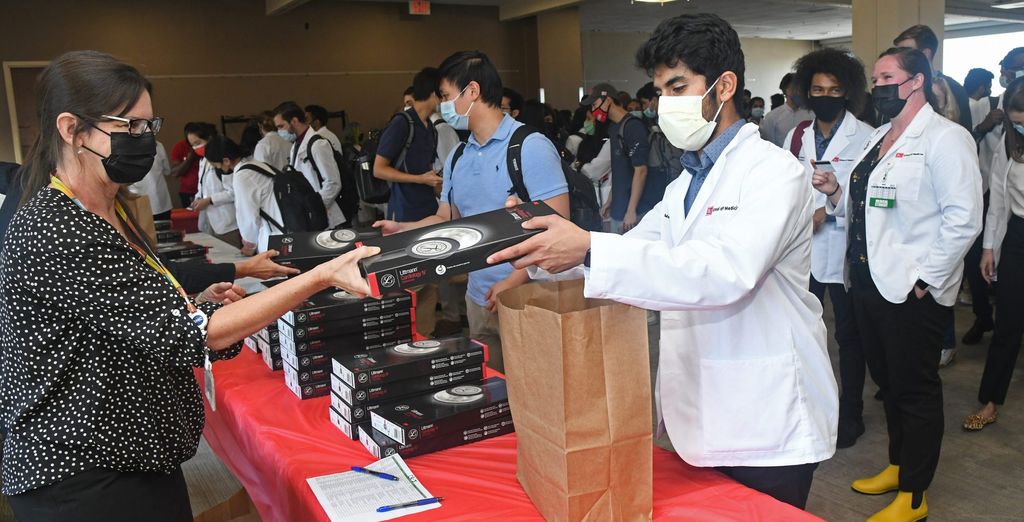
(276, 7)
(972, 9)
(516, 9)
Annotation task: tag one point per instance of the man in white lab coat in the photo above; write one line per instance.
(832, 84)
(744, 380)
(316, 163)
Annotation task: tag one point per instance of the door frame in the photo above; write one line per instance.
(11, 108)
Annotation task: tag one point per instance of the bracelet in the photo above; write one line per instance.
(833, 192)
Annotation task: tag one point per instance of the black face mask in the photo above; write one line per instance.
(826, 108)
(130, 158)
(887, 99)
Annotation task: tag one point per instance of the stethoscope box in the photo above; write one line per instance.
(429, 254)
(366, 369)
(450, 410)
(335, 305)
(307, 250)
(382, 446)
(407, 387)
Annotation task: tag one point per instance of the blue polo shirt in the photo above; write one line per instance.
(410, 201)
(480, 183)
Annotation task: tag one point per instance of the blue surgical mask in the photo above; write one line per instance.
(636, 114)
(650, 113)
(1004, 83)
(757, 112)
(287, 134)
(1019, 127)
(450, 115)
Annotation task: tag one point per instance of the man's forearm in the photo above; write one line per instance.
(637, 187)
(389, 173)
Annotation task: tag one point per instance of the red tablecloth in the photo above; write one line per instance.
(273, 442)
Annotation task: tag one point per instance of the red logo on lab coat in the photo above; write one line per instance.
(710, 210)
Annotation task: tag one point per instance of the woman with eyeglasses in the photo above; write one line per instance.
(98, 342)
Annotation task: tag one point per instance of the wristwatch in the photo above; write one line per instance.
(586, 259)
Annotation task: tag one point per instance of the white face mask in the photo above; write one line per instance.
(681, 118)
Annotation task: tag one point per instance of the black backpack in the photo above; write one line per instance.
(584, 210)
(302, 210)
(348, 198)
(372, 189)
(662, 155)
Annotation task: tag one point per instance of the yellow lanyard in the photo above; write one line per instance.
(151, 259)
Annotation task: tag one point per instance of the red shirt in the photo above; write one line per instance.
(189, 181)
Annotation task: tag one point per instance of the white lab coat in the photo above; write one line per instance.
(744, 378)
(154, 185)
(599, 172)
(274, 150)
(323, 154)
(255, 192)
(987, 149)
(219, 217)
(828, 245)
(331, 137)
(999, 208)
(934, 166)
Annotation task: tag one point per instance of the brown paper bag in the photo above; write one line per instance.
(138, 206)
(579, 386)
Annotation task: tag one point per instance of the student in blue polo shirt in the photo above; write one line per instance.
(411, 172)
(479, 182)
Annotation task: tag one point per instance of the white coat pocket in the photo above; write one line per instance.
(908, 180)
(750, 404)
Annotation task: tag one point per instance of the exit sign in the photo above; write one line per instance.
(419, 7)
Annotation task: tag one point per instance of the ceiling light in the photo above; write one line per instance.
(1008, 5)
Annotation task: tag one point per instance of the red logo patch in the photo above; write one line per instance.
(710, 210)
(899, 154)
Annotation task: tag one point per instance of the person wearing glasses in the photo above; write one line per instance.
(99, 405)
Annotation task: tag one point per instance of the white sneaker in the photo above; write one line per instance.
(948, 354)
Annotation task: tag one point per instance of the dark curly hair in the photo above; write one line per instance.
(704, 43)
(843, 66)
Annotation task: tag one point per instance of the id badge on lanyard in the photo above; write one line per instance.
(882, 195)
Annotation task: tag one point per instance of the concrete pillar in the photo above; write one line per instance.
(877, 22)
(560, 57)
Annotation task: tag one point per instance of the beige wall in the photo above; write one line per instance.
(560, 63)
(609, 57)
(226, 57)
(877, 22)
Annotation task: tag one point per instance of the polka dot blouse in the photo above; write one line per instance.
(96, 352)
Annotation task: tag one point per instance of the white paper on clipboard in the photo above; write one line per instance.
(355, 497)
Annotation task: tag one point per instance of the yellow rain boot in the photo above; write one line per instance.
(884, 482)
(902, 509)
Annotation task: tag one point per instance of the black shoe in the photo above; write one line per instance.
(849, 432)
(974, 335)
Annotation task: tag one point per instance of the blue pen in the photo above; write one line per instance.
(421, 502)
(374, 473)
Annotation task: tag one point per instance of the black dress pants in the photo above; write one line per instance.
(980, 303)
(851, 355)
(106, 495)
(789, 484)
(1006, 338)
(902, 348)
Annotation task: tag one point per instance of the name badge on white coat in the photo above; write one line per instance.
(882, 195)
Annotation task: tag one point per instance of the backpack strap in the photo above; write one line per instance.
(264, 215)
(514, 160)
(622, 134)
(400, 161)
(309, 156)
(798, 135)
(459, 149)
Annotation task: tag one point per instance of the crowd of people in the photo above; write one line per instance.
(732, 221)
